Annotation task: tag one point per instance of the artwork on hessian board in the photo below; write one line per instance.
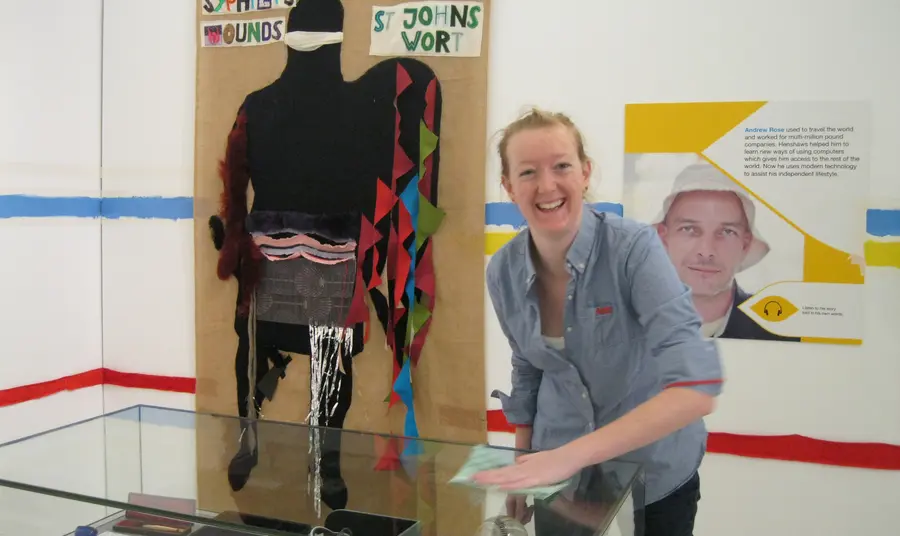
(344, 176)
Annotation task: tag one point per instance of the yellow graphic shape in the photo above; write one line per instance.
(825, 264)
(821, 262)
(493, 241)
(827, 340)
(886, 254)
(682, 127)
(774, 308)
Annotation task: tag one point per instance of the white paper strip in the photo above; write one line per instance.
(427, 29)
(230, 7)
(242, 33)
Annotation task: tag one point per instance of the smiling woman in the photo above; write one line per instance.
(608, 359)
(545, 169)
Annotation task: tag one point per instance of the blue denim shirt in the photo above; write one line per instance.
(631, 331)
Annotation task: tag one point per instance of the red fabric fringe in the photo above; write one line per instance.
(237, 248)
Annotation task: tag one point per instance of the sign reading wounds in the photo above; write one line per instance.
(228, 7)
(427, 29)
(242, 33)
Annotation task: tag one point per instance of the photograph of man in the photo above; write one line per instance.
(707, 226)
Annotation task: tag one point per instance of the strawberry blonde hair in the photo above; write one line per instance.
(537, 118)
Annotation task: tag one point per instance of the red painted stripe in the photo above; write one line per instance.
(793, 448)
(24, 393)
(174, 384)
(91, 378)
(797, 448)
(496, 422)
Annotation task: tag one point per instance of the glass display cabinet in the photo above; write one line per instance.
(155, 471)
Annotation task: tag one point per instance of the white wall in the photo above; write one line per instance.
(49, 146)
(99, 113)
(148, 151)
(585, 58)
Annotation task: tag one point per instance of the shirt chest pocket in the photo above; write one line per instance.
(604, 325)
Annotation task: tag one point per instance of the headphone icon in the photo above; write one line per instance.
(766, 308)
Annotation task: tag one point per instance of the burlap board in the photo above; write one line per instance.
(448, 381)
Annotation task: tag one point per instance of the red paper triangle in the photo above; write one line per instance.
(403, 79)
(404, 224)
(392, 254)
(402, 163)
(425, 182)
(401, 275)
(359, 311)
(384, 201)
(368, 234)
(395, 398)
(389, 459)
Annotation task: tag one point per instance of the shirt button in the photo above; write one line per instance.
(584, 394)
(581, 265)
(569, 329)
(570, 296)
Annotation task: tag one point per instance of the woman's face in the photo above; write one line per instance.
(546, 179)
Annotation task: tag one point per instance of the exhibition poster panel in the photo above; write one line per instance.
(762, 209)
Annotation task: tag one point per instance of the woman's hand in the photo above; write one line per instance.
(537, 469)
(517, 509)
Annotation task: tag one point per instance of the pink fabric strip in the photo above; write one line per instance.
(305, 255)
(303, 240)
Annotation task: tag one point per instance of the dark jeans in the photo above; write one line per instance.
(672, 515)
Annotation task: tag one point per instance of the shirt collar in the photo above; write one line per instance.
(580, 250)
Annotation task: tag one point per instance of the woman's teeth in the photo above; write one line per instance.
(550, 206)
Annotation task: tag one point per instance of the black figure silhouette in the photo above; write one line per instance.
(342, 172)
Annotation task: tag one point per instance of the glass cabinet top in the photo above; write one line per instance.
(265, 477)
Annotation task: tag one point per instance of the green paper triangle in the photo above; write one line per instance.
(420, 315)
(430, 218)
(427, 144)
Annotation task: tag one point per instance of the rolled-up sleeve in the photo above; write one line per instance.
(665, 309)
(520, 406)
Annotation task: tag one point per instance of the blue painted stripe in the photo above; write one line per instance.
(509, 214)
(29, 206)
(881, 222)
(168, 208)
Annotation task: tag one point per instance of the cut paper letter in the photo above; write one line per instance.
(230, 7)
(242, 33)
(427, 29)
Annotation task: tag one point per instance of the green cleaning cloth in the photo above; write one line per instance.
(483, 457)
